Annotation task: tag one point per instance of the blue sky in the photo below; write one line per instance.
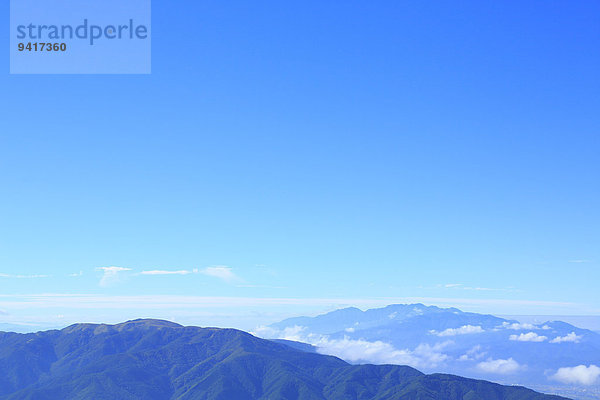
(311, 155)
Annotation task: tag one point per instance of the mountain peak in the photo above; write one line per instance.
(149, 322)
(132, 324)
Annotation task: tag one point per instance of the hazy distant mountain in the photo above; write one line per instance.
(551, 354)
(25, 328)
(151, 359)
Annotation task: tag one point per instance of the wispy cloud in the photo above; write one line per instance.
(463, 330)
(580, 374)
(502, 367)
(34, 276)
(473, 354)
(579, 261)
(571, 337)
(222, 272)
(111, 275)
(461, 286)
(167, 272)
(76, 274)
(528, 337)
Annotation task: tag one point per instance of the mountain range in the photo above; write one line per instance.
(551, 356)
(154, 359)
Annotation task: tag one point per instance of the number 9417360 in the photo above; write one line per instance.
(42, 46)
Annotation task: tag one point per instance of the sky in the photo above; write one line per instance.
(288, 158)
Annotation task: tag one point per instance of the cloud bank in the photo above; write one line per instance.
(352, 350)
(581, 375)
(378, 352)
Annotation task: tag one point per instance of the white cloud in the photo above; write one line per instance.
(111, 275)
(571, 337)
(378, 352)
(579, 261)
(518, 326)
(350, 330)
(296, 333)
(266, 332)
(463, 330)
(528, 337)
(221, 272)
(76, 274)
(578, 375)
(502, 367)
(163, 272)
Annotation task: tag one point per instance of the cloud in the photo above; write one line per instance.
(163, 272)
(528, 337)
(377, 352)
(473, 354)
(477, 288)
(111, 275)
(571, 337)
(221, 272)
(502, 367)
(463, 330)
(579, 261)
(518, 326)
(578, 375)
(76, 274)
(35, 276)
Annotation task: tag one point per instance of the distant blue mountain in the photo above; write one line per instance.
(160, 360)
(25, 328)
(449, 340)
